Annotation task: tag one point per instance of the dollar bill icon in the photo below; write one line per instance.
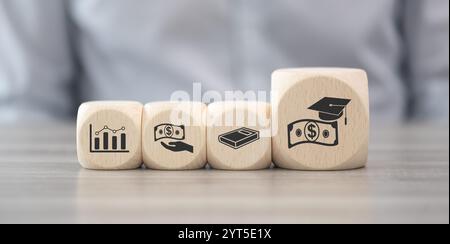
(169, 131)
(313, 131)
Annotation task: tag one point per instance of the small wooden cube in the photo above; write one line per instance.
(109, 135)
(239, 135)
(320, 118)
(174, 135)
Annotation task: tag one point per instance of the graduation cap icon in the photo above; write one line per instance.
(331, 108)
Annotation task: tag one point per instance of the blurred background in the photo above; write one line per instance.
(55, 54)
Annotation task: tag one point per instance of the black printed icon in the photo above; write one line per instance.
(239, 138)
(312, 131)
(322, 132)
(176, 135)
(107, 140)
(330, 108)
(178, 146)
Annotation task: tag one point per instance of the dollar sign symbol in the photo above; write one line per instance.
(312, 129)
(169, 131)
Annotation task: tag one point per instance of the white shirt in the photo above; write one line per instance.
(55, 54)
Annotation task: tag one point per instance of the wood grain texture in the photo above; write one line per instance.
(406, 181)
(239, 135)
(299, 129)
(109, 135)
(163, 121)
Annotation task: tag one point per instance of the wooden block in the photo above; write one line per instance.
(239, 135)
(109, 135)
(320, 118)
(174, 135)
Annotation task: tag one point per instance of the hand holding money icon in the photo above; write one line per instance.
(172, 132)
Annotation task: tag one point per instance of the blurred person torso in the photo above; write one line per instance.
(54, 54)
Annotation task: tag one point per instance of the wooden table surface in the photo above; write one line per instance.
(406, 181)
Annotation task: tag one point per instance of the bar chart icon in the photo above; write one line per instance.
(108, 140)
